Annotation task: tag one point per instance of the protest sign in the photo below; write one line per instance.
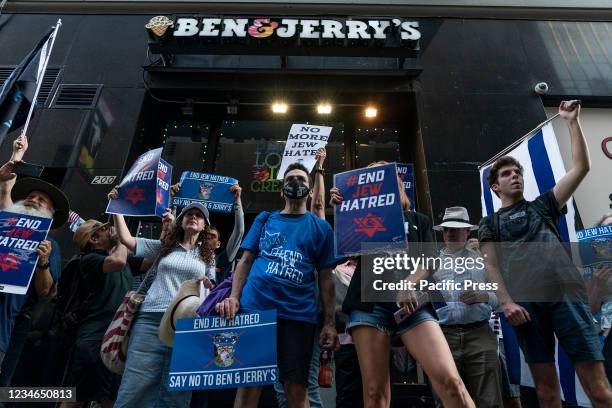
(406, 172)
(595, 245)
(302, 145)
(371, 211)
(211, 352)
(212, 190)
(145, 190)
(20, 236)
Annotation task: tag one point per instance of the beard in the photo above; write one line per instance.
(38, 211)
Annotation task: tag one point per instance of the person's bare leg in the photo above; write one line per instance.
(427, 344)
(373, 347)
(297, 396)
(595, 382)
(547, 384)
(247, 397)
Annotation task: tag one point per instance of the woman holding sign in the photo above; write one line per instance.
(371, 326)
(185, 252)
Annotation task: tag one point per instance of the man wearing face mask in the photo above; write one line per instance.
(277, 271)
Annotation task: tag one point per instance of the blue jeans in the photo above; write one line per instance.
(381, 317)
(146, 370)
(314, 397)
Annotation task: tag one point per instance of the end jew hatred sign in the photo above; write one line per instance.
(211, 190)
(405, 171)
(211, 352)
(302, 145)
(20, 236)
(145, 190)
(371, 211)
(595, 245)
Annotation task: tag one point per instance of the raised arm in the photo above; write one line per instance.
(116, 260)
(581, 163)
(123, 233)
(7, 176)
(233, 243)
(317, 204)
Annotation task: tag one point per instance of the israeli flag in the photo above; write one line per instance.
(543, 167)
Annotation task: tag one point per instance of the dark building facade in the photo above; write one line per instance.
(463, 92)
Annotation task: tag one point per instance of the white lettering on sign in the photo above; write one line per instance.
(291, 27)
(103, 180)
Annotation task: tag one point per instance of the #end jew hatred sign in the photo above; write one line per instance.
(212, 352)
(302, 145)
(20, 236)
(371, 211)
(405, 171)
(145, 190)
(595, 245)
(212, 190)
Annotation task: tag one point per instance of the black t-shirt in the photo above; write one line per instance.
(109, 289)
(532, 260)
(419, 232)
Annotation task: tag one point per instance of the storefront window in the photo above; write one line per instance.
(376, 143)
(251, 151)
(185, 144)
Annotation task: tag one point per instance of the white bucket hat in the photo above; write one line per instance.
(455, 217)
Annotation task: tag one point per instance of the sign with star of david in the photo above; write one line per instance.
(20, 235)
(371, 211)
(145, 189)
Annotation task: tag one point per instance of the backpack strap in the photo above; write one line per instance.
(548, 220)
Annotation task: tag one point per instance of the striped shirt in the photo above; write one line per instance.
(173, 269)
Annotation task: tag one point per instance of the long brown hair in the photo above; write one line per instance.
(176, 236)
(406, 204)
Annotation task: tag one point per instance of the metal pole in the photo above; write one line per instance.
(518, 142)
(40, 78)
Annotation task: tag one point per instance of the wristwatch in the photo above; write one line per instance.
(42, 266)
(319, 170)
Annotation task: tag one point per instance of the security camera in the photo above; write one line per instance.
(541, 88)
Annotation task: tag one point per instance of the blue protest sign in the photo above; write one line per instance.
(145, 189)
(211, 352)
(371, 211)
(20, 236)
(595, 245)
(212, 190)
(406, 172)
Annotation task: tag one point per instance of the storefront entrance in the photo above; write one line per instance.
(246, 140)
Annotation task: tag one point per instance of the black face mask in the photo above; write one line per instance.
(295, 189)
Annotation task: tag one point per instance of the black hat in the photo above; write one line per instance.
(25, 186)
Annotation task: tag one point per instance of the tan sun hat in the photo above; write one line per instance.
(455, 217)
(85, 231)
(184, 304)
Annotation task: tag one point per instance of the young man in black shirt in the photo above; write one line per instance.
(540, 291)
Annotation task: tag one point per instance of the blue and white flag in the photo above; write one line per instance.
(543, 167)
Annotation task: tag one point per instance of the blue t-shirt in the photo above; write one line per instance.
(11, 304)
(287, 249)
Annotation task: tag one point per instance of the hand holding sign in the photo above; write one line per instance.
(44, 251)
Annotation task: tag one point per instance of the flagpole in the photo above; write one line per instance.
(518, 142)
(40, 79)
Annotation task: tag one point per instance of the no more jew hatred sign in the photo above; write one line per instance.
(187, 33)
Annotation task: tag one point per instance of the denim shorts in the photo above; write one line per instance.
(571, 322)
(381, 317)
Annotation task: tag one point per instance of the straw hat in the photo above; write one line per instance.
(184, 304)
(85, 231)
